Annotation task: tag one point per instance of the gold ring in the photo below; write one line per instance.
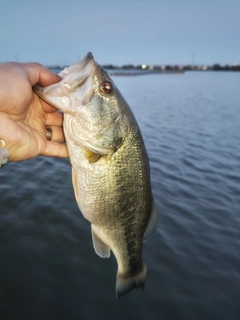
(2, 143)
(49, 134)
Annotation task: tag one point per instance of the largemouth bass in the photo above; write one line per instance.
(110, 167)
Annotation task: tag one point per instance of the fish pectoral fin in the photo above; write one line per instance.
(152, 223)
(100, 247)
(92, 156)
(75, 185)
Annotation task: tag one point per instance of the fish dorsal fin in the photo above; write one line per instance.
(152, 223)
(100, 247)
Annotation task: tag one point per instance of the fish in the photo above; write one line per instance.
(110, 166)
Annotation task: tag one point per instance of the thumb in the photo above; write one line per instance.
(37, 73)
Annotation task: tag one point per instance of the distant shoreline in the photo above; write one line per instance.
(130, 70)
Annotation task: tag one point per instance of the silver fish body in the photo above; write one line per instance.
(110, 167)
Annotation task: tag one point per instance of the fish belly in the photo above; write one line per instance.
(114, 195)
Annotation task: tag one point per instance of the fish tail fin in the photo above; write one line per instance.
(127, 283)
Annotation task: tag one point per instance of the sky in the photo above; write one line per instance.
(152, 32)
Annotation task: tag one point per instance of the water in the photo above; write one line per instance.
(48, 268)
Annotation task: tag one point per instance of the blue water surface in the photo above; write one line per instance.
(48, 267)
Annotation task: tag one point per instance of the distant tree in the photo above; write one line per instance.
(128, 66)
(188, 68)
(109, 66)
(236, 68)
(226, 68)
(216, 67)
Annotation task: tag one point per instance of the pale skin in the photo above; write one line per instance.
(24, 117)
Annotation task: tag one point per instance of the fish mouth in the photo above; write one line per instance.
(88, 57)
(83, 66)
(74, 90)
(77, 80)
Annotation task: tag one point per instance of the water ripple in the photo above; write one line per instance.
(190, 126)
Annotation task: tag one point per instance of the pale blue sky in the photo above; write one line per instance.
(121, 32)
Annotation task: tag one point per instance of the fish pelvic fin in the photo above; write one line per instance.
(125, 283)
(101, 248)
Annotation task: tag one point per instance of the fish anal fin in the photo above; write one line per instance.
(125, 283)
(152, 223)
(100, 247)
(91, 156)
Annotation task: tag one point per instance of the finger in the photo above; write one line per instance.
(54, 119)
(55, 149)
(46, 106)
(43, 104)
(37, 73)
(57, 134)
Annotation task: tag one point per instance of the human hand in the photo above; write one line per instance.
(24, 117)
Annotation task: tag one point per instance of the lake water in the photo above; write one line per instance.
(48, 267)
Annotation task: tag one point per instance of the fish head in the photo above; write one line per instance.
(96, 112)
(102, 119)
(74, 90)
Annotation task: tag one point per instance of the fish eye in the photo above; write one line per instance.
(106, 87)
